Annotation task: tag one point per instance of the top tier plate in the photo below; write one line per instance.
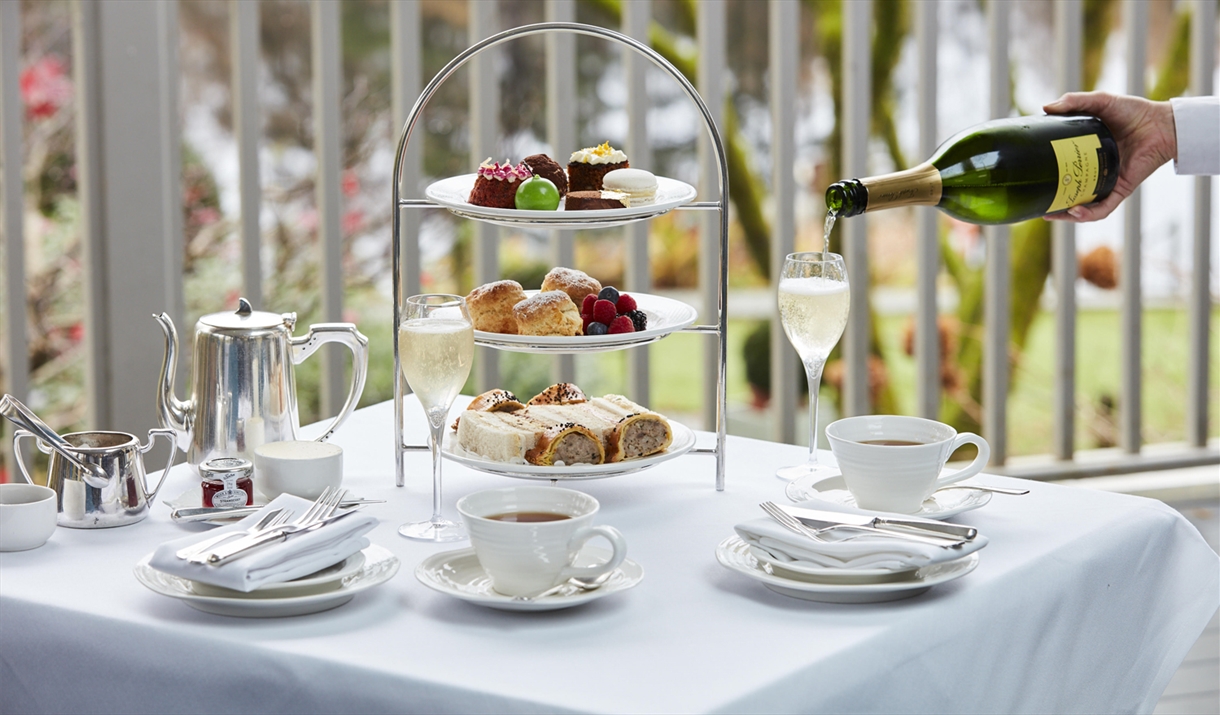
(451, 193)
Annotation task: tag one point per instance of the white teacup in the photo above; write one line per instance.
(28, 514)
(898, 478)
(300, 468)
(527, 557)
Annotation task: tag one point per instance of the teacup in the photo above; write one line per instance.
(28, 515)
(300, 468)
(893, 463)
(526, 538)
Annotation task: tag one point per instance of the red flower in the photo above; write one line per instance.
(352, 221)
(351, 184)
(45, 87)
(76, 333)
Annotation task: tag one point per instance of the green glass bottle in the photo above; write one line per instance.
(1003, 171)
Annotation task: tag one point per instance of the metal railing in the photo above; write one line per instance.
(128, 149)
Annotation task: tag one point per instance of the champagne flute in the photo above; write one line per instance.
(436, 347)
(813, 304)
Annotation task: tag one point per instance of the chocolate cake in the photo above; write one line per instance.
(549, 169)
(595, 200)
(495, 186)
(587, 166)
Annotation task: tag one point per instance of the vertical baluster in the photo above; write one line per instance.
(996, 307)
(927, 334)
(857, 60)
(1202, 66)
(710, 29)
(1068, 31)
(1135, 18)
(636, 16)
(784, 40)
(484, 21)
(328, 97)
(15, 358)
(247, 128)
(561, 134)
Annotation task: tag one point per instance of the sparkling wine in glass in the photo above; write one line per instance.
(435, 348)
(813, 304)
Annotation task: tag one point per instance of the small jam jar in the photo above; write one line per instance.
(227, 482)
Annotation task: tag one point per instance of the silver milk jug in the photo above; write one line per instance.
(86, 501)
(243, 390)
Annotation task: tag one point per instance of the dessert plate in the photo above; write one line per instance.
(379, 566)
(458, 574)
(684, 439)
(734, 554)
(193, 497)
(941, 505)
(452, 193)
(665, 316)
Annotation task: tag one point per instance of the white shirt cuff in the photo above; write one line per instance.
(1197, 124)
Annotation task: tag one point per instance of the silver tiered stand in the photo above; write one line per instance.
(720, 206)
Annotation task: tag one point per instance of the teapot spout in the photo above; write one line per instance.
(175, 414)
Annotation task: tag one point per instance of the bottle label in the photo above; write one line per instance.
(231, 495)
(1079, 171)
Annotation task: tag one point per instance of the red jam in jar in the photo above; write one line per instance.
(227, 482)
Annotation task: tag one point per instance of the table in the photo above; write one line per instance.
(1084, 601)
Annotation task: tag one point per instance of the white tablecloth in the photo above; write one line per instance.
(1084, 602)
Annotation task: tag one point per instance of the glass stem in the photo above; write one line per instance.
(437, 428)
(813, 375)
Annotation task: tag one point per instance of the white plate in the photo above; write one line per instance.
(684, 439)
(458, 574)
(452, 193)
(665, 316)
(379, 566)
(801, 572)
(941, 505)
(328, 579)
(193, 497)
(734, 554)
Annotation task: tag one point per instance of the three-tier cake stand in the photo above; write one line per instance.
(720, 206)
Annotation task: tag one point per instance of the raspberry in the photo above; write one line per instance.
(596, 329)
(638, 319)
(585, 319)
(587, 306)
(609, 293)
(603, 311)
(625, 304)
(621, 324)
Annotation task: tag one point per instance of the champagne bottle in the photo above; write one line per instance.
(1003, 171)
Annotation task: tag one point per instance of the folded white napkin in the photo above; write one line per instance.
(295, 557)
(847, 549)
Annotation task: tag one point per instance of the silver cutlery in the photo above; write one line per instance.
(818, 518)
(581, 585)
(275, 517)
(981, 488)
(190, 514)
(325, 503)
(791, 523)
(232, 552)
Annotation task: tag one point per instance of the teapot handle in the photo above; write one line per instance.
(347, 334)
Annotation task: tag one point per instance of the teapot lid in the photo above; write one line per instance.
(247, 318)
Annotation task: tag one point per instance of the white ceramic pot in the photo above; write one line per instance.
(299, 468)
(27, 516)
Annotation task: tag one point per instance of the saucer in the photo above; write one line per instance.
(734, 554)
(941, 505)
(459, 574)
(378, 567)
(327, 579)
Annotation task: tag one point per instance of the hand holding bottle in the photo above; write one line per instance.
(1144, 131)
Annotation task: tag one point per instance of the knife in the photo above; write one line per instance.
(208, 513)
(819, 518)
(244, 546)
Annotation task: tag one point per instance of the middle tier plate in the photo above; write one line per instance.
(684, 439)
(665, 316)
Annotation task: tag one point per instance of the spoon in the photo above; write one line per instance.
(981, 488)
(583, 584)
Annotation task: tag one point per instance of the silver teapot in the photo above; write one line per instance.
(243, 391)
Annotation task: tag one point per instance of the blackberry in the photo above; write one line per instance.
(638, 319)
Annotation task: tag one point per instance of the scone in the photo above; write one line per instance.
(550, 312)
(577, 284)
(491, 306)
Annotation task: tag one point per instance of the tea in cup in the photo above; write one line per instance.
(28, 515)
(893, 463)
(526, 538)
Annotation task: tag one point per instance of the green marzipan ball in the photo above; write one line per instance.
(537, 194)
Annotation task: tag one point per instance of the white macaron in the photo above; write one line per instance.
(640, 186)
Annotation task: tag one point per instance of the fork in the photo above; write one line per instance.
(275, 517)
(794, 525)
(323, 501)
(321, 509)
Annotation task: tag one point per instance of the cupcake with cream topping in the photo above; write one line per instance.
(587, 166)
(495, 186)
